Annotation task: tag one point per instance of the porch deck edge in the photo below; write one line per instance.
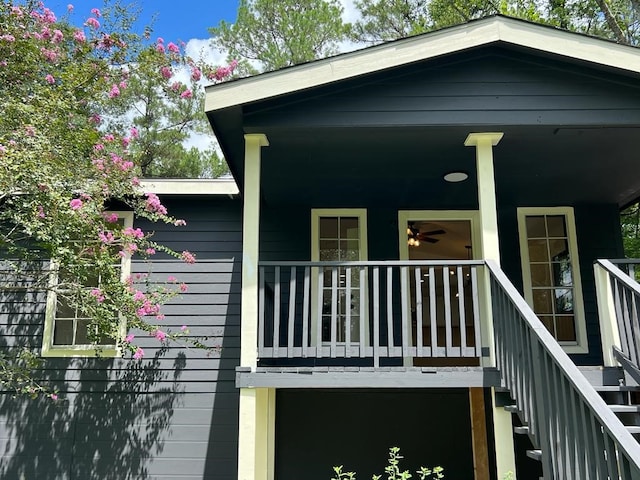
(367, 377)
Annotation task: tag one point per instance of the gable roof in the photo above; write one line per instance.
(477, 33)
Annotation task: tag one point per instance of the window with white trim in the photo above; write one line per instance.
(66, 329)
(340, 235)
(551, 274)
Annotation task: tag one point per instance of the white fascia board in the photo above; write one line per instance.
(190, 186)
(423, 47)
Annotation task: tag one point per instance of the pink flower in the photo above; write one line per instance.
(173, 48)
(57, 36)
(160, 48)
(70, 8)
(106, 237)
(41, 212)
(79, 36)
(150, 251)
(186, 94)
(175, 86)
(138, 354)
(93, 23)
(160, 335)
(8, 38)
(97, 294)
(75, 204)
(53, 396)
(129, 338)
(183, 287)
(171, 279)
(96, 12)
(109, 137)
(135, 181)
(183, 328)
(153, 204)
(196, 74)
(160, 40)
(133, 232)
(50, 80)
(110, 217)
(134, 132)
(50, 55)
(180, 223)
(17, 11)
(123, 85)
(188, 257)
(30, 130)
(166, 72)
(114, 92)
(160, 316)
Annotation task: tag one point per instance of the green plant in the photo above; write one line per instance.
(393, 470)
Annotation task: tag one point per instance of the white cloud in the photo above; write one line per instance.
(350, 13)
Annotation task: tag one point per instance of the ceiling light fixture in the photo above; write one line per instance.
(455, 177)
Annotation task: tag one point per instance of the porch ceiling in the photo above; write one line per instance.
(404, 167)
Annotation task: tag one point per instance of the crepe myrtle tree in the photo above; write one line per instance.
(62, 169)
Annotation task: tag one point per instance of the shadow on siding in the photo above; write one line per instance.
(108, 424)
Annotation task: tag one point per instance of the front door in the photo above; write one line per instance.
(442, 305)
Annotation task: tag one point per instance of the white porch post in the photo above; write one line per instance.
(257, 405)
(490, 248)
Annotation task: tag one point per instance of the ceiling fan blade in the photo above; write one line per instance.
(430, 240)
(434, 232)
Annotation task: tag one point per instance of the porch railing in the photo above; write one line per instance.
(579, 436)
(369, 310)
(619, 304)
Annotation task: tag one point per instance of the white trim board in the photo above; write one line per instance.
(423, 47)
(198, 186)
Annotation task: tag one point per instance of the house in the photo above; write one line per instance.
(414, 256)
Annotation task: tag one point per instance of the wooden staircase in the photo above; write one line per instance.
(622, 400)
(578, 431)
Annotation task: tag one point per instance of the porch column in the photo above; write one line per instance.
(490, 249)
(257, 405)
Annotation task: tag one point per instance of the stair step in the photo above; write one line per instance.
(625, 408)
(524, 430)
(535, 454)
(617, 388)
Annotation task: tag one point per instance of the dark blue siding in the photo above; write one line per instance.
(172, 415)
(490, 86)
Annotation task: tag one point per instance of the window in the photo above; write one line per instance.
(339, 235)
(551, 274)
(66, 330)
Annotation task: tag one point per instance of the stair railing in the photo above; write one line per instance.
(579, 436)
(618, 303)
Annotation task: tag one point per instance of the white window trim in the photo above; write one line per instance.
(316, 214)
(109, 351)
(580, 345)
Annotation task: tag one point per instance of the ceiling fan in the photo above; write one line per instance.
(415, 236)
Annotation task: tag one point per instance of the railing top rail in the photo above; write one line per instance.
(376, 263)
(619, 274)
(607, 418)
(627, 261)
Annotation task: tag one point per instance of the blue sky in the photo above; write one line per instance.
(175, 20)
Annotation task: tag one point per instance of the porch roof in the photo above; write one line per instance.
(387, 122)
(466, 36)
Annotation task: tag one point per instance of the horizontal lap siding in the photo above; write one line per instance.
(172, 415)
(493, 87)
